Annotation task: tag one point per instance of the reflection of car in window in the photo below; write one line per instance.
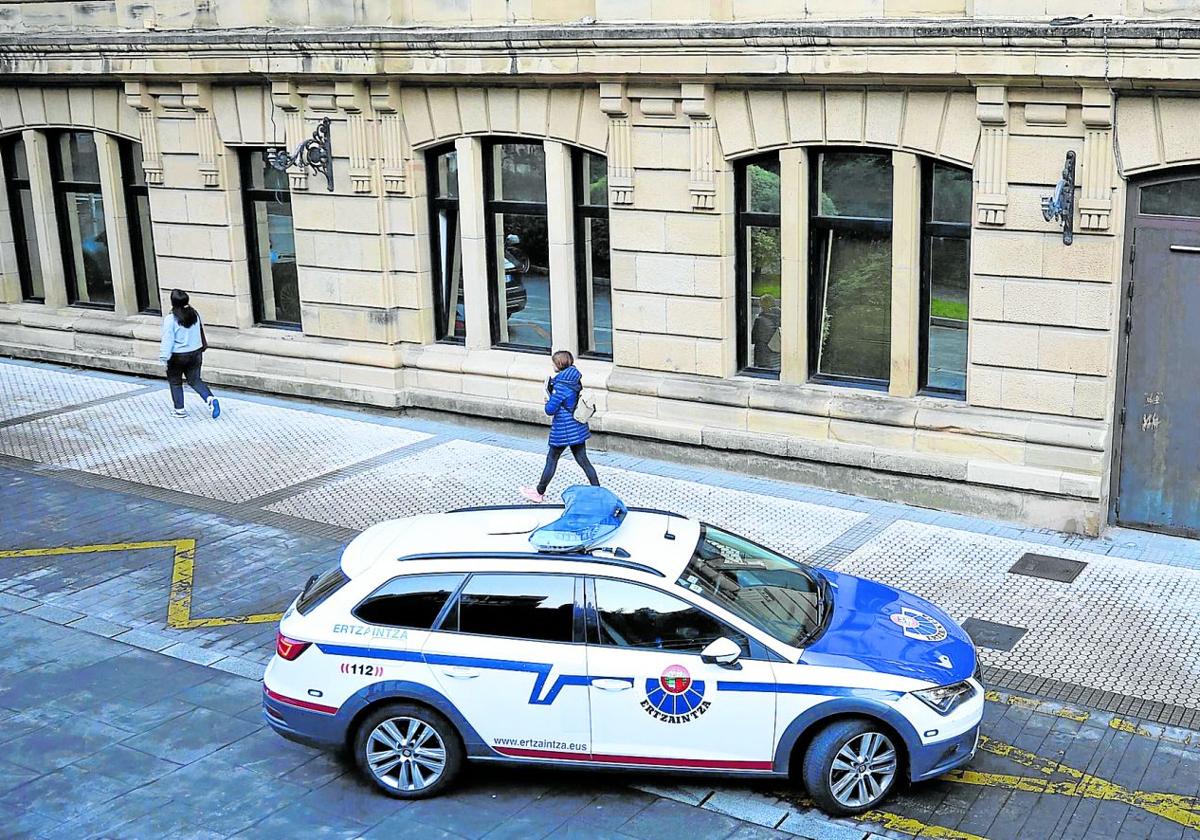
(516, 264)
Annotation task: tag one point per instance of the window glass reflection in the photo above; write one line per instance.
(854, 304)
(854, 185)
(271, 242)
(592, 262)
(20, 208)
(76, 171)
(449, 306)
(520, 249)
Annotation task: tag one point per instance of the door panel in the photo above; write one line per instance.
(1159, 470)
(507, 657)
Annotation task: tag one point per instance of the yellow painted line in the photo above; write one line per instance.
(1184, 810)
(1122, 725)
(1077, 715)
(908, 825)
(183, 570)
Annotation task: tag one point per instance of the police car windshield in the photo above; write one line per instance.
(775, 594)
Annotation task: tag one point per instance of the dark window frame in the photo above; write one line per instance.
(440, 305)
(753, 649)
(929, 230)
(451, 600)
(60, 186)
(13, 186)
(141, 282)
(818, 223)
(251, 196)
(492, 206)
(581, 211)
(578, 636)
(744, 219)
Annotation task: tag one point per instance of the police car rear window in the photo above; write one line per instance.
(411, 602)
(328, 582)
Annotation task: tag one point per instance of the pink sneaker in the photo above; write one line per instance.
(532, 495)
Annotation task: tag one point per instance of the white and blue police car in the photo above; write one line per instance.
(636, 639)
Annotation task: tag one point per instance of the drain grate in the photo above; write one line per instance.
(990, 634)
(1050, 568)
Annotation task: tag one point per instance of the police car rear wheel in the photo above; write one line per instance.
(408, 751)
(850, 767)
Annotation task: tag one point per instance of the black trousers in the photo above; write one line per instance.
(186, 366)
(579, 451)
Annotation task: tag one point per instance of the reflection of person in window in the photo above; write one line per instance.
(764, 335)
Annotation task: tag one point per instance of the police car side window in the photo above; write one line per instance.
(412, 602)
(535, 607)
(634, 616)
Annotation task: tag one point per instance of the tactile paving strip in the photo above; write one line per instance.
(1122, 626)
(251, 450)
(29, 390)
(463, 474)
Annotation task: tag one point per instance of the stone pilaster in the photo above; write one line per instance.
(390, 146)
(698, 105)
(615, 103)
(139, 97)
(1095, 205)
(991, 165)
(286, 97)
(197, 97)
(351, 99)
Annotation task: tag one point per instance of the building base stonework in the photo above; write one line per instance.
(794, 243)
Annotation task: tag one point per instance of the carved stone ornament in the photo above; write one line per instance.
(698, 105)
(138, 95)
(991, 165)
(393, 162)
(615, 103)
(197, 97)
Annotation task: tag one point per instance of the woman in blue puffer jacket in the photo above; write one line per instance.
(563, 390)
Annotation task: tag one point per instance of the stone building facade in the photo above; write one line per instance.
(813, 232)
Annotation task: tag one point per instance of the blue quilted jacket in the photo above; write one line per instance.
(565, 389)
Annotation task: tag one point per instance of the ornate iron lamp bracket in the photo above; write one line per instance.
(1061, 205)
(315, 153)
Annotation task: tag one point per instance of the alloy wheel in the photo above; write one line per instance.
(863, 770)
(406, 754)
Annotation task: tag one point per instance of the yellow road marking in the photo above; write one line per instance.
(183, 570)
(1122, 725)
(908, 825)
(1039, 706)
(1184, 810)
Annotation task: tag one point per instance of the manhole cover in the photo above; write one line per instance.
(991, 634)
(1050, 568)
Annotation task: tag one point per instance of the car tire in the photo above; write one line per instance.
(851, 766)
(408, 751)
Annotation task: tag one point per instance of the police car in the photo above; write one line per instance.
(632, 638)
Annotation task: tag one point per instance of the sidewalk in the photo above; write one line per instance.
(1081, 641)
(186, 538)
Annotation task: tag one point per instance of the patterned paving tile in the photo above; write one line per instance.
(29, 390)
(461, 474)
(1123, 626)
(251, 450)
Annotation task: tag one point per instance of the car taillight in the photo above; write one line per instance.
(289, 649)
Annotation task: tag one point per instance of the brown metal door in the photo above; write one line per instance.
(1158, 484)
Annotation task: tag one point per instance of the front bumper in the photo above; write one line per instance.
(932, 760)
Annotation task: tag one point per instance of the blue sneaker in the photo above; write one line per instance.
(216, 407)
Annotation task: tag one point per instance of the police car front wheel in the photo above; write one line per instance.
(408, 751)
(850, 766)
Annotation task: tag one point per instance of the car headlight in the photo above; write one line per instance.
(945, 698)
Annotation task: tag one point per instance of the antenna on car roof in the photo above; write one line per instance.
(668, 535)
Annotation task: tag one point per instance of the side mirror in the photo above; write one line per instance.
(724, 652)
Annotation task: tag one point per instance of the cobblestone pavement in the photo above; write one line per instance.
(119, 558)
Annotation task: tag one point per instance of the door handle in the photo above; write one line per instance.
(460, 673)
(613, 683)
(1186, 249)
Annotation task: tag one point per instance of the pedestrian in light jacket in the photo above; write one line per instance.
(563, 390)
(182, 351)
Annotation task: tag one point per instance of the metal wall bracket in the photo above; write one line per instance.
(315, 153)
(1061, 205)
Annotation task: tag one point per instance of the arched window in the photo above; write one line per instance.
(593, 273)
(20, 208)
(141, 233)
(945, 277)
(79, 204)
